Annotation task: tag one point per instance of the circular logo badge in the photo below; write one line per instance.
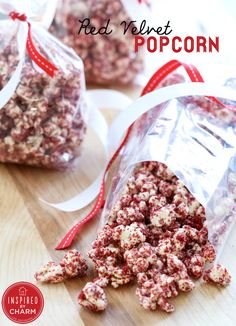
(22, 302)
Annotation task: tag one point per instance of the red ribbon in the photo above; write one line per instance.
(33, 53)
(152, 84)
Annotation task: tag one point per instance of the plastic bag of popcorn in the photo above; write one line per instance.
(43, 112)
(107, 58)
(172, 201)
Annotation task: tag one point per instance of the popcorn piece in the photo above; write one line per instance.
(165, 305)
(208, 252)
(166, 189)
(140, 206)
(185, 284)
(163, 172)
(130, 236)
(73, 264)
(50, 273)
(104, 238)
(217, 275)
(93, 297)
(109, 254)
(193, 205)
(164, 247)
(182, 210)
(175, 265)
(179, 240)
(162, 216)
(121, 276)
(157, 200)
(116, 275)
(101, 281)
(142, 258)
(154, 290)
(129, 215)
(196, 265)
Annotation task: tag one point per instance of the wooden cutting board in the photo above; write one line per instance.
(30, 230)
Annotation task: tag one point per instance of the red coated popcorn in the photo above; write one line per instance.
(141, 259)
(130, 235)
(163, 172)
(166, 189)
(43, 124)
(155, 232)
(109, 254)
(50, 273)
(195, 265)
(121, 276)
(157, 200)
(129, 215)
(218, 275)
(101, 281)
(155, 291)
(163, 216)
(208, 252)
(104, 238)
(164, 247)
(72, 265)
(93, 297)
(115, 275)
(177, 269)
(107, 58)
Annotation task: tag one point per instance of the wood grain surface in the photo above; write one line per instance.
(30, 230)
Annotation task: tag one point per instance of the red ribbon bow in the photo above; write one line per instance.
(33, 53)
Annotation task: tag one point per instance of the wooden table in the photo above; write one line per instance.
(29, 231)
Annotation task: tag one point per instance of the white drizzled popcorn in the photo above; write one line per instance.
(164, 243)
(71, 265)
(93, 297)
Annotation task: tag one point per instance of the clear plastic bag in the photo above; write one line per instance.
(44, 122)
(107, 58)
(198, 145)
(172, 201)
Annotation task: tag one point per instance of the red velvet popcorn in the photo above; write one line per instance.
(131, 235)
(129, 215)
(157, 201)
(72, 265)
(177, 269)
(43, 123)
(164, 247)
(163, 216)
(195, 265)
(101, 281)
(107, 58)
(142, 258)
(50, 273)
(155, 291)
(103, 253)
(104, 238)
(156, 232)
(115, 275)
(217, 275)
(93, 297)
(208, 252)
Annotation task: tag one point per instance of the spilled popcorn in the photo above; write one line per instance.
(156, 234)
